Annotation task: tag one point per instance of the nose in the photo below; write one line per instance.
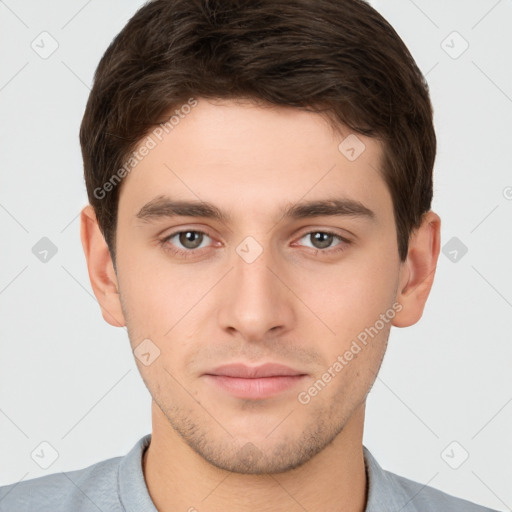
(256, 301)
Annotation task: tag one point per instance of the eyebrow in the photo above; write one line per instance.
(166, 207)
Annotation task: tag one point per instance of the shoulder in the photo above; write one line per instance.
(89, 489)
(425, 498)
(389, 491)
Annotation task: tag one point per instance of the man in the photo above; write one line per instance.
(260, 180)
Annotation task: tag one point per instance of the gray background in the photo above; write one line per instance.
(69, 379)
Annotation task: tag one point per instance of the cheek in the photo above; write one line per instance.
(350, 295)
(165, 306)
(156, 293)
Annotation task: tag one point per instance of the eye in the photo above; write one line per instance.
(322, 240)
(190, 239)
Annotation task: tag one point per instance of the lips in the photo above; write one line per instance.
(254, 382)
(254, 372)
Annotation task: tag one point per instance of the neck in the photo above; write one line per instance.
(180, 479)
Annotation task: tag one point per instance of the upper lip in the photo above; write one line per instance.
(253, 372)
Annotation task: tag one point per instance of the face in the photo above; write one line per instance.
(263, 283)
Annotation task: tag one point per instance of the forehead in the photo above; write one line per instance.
(254, 159)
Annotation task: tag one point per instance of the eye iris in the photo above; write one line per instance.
(188, 237)
(324, 239)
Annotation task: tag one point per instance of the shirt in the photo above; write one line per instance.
(118, 485)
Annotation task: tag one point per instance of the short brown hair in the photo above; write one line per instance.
(339, 57)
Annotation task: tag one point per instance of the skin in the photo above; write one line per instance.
(294, 304)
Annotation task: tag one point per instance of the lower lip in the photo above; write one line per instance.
(255, 388)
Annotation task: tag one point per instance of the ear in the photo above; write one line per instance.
(101, 269)
(418, 270)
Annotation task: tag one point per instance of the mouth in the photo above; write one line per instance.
(259, 382)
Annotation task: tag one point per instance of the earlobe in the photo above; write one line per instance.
(417, 272)
(101, 271)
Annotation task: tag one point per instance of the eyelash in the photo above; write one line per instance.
(193, 252)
